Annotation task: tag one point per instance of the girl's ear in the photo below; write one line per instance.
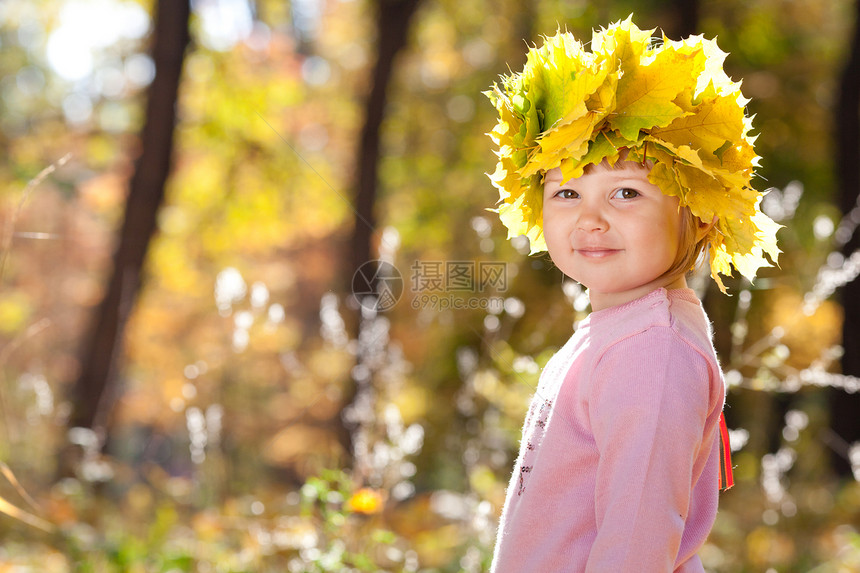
(703, 228)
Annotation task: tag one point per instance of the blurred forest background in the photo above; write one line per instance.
(187, 379)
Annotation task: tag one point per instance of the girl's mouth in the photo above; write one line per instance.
(596, 252)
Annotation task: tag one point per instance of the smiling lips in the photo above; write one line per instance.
(596, 252)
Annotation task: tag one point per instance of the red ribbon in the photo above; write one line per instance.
(727, 480)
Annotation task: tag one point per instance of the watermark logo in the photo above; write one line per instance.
(437, 285)
(458, 276)
(377, 285)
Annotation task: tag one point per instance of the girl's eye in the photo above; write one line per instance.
(567, 194)
(626, 193)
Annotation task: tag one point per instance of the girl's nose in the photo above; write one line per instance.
(590, 218)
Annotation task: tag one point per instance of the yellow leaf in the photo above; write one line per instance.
(523, 216)
(505, 177)
(604, 145)
(603, 99)
(624, 42)
(645, 92)
(712, 74)
(766, 234)
(366, 500)
(561, 78)
(569, 140)
(666, 179)
(708, 128)
(708, 197)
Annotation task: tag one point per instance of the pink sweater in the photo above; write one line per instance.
(619, 461)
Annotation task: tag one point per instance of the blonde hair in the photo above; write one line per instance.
(690, 251)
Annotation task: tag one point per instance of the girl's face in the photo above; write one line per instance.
(613, 231)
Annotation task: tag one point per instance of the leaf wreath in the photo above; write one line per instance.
(669, 102)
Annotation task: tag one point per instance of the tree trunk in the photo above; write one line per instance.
(687, 12)
(845, 421)
(393, 19)
(94, 392)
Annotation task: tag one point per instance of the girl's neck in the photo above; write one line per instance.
(604, 300)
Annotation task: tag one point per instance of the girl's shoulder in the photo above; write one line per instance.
(659, 308)
(655, 323)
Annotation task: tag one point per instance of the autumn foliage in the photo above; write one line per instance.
(262, 418)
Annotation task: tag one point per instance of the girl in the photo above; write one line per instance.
(626, 163)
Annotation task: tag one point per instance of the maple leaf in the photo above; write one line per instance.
(522, 216)
(766, 233)
(664, 177)
(624, 42)
(569, 140)
(720, 263)
(599, 148)
(737, 161)
(554, 78)
(603, 98)
(506, 178)
(713, 74)
(564, 79)
(645, 93)
(707, 127)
